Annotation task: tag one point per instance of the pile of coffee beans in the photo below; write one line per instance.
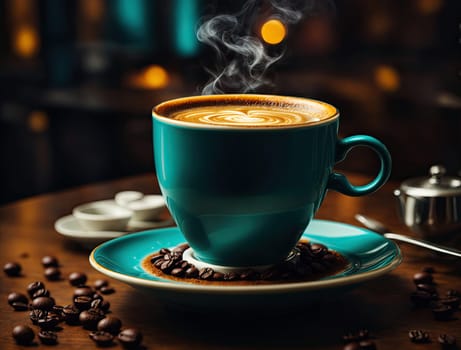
(308, 261)
(426, 295)
(442, 306)
(88, 308)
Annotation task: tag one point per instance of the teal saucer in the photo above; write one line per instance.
(369, 254)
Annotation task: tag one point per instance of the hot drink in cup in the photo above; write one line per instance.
(243, 175)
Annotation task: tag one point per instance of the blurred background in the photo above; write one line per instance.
(78, 80)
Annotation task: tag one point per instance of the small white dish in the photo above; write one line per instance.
(144, 207)
(102, 216)
(70, 227)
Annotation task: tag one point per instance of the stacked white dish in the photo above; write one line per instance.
(95, 222)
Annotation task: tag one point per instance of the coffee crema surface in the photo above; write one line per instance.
(248, 111)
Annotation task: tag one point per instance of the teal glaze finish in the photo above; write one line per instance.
(243, 197)
(339, 182)
(229, 189)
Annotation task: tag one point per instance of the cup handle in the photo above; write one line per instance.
(339, 182)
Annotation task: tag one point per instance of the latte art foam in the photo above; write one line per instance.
(245, 116)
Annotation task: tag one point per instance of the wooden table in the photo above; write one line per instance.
(382, 305)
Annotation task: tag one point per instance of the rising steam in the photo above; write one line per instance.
(242, 59)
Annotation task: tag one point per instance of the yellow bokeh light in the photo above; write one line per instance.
(26, 42)
(273, 31)
(387, 78)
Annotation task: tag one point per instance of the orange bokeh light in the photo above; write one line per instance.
(151, 77)
(273, 31)
(26, 42)
(387, 78)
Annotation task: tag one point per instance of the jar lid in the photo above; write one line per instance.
(436, 185)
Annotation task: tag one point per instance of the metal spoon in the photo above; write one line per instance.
(377, 226)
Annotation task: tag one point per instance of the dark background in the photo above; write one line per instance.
(78, 79)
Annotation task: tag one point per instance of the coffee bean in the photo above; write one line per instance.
(70, 314)
(183, 264)
(99, 283)
(57, 309)
(230, 276)
(18, 299)
(159, 263)
(43, 303)
(430, 288)
(318, 250)
(110, 324)
(33, 287)
(442, 312)
(36, 315)
(191, 272)
(177, 272)
(107, 290)
(101, 338)
(90, 318)
(83, 302)
(83, 290)
(52, 273)
(50, 321)
(179, 249)
(447, 341)
(172, 256)
(419, 336)
(218, 276)
(50, 261)
(77, 278)
(156, 257)
(167, 265)
(130, 337)
(423, 278)
(164, 251)
(41, 293)
(206, 273)
(12, 269)
(23, 335)
(48, 337)
(100, 304)
(97, 296)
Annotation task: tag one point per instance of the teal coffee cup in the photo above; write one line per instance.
(243, 175)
